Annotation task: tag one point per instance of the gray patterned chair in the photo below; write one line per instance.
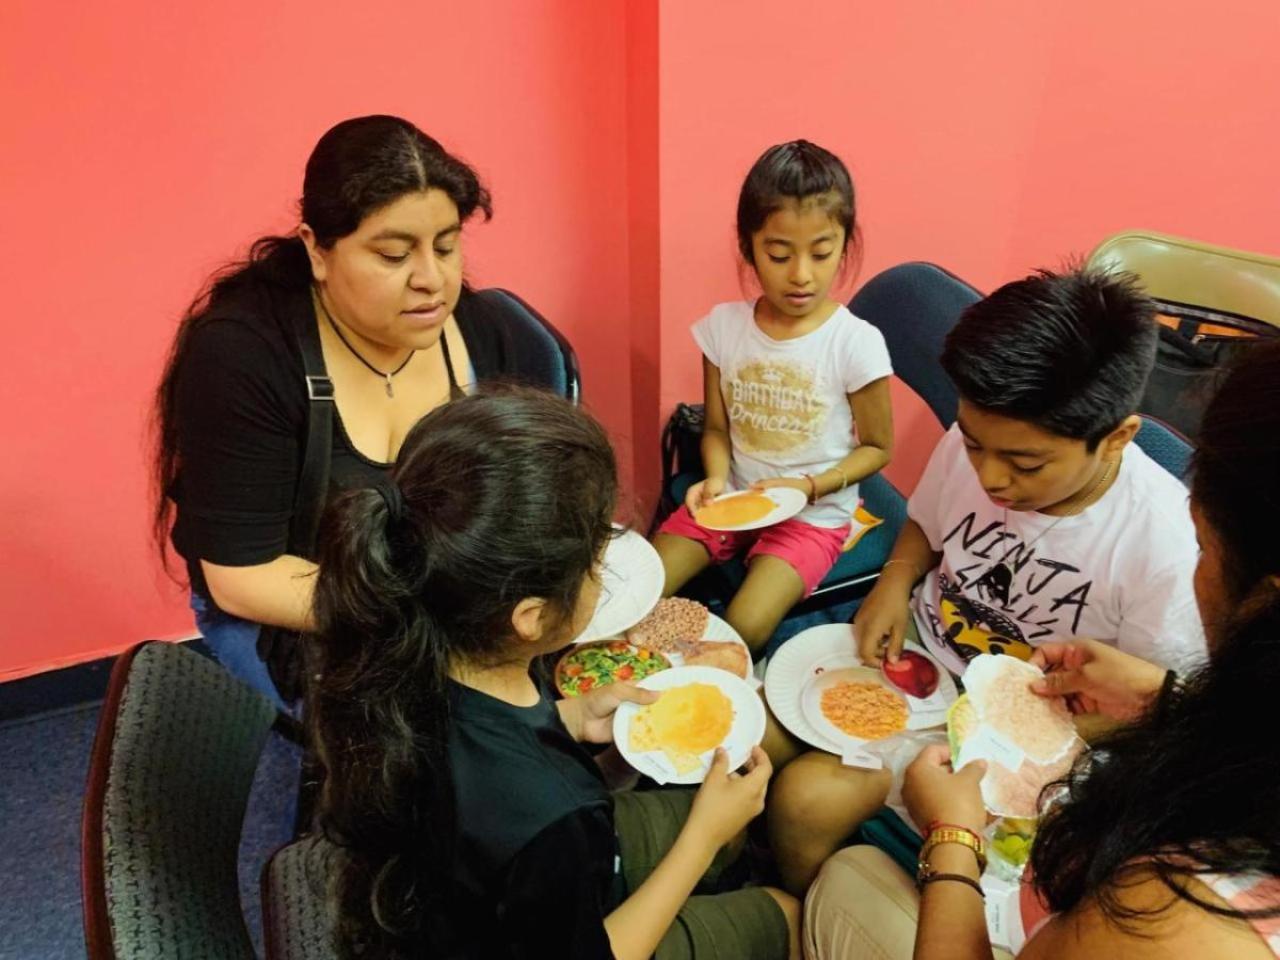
(173, 761)
(297, 923)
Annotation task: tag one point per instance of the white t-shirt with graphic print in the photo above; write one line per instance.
(1119, 572)
(787, 400)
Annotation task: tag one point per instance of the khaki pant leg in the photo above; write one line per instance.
(862, 907)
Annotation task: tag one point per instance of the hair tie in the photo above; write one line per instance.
(393, 498)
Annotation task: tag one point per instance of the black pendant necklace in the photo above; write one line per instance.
(356, 353)
(999, 577)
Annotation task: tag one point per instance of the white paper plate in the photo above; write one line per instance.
(747, 729)
(631, 580)
(788, 502)
(848, 666)
(813, 651)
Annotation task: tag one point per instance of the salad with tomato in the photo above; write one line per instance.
(590, 665)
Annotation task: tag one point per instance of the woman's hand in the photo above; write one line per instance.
(727, 801)
(1095, 678)
(933, 791)
(703, 492)
(589, 717)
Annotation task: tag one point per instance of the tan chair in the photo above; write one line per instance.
(1213, 304)
(1185, 271)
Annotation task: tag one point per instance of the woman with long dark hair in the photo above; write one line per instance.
(365, 305)
(468, 820)
(1166, 839)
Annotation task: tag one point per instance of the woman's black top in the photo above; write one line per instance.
(241, 418)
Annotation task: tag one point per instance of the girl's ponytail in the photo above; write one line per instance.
(380, 700)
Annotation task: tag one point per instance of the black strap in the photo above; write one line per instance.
(668, 444)
(455, 391)
(313, 479)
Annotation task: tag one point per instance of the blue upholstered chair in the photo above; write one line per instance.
(915, 305)
(1165, 445)
(538, 354)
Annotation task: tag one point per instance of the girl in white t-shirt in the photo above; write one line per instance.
(797, 392)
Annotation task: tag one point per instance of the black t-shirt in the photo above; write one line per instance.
(537, 858)
(241, 419)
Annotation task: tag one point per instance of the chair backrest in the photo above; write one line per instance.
(1197, 274)
(1165, 446)
(915, 305)
(537, 352)
(173, 761)
(297, 916)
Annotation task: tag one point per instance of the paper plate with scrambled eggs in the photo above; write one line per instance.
(751, 509)
(673, 739)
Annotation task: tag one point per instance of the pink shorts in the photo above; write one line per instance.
(810, 551)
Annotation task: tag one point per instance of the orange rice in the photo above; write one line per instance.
(865, 710)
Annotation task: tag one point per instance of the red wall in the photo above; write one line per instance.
(144, 143)
(989, 137)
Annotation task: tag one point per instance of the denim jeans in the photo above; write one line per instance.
(234, 643)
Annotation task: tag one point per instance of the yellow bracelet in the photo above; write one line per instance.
(960, 835)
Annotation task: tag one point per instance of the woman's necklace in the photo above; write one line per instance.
(356, 353)
(999, 577)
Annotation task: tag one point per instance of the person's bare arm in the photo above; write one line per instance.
(717, 449)
(873, 415)
(880, 625)
(278, 593)
(1180, 931)
(953, 925)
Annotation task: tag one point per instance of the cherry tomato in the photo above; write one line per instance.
(586, 683)
(626, 672)
(572, 669)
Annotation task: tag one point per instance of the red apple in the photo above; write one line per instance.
(913, 674)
